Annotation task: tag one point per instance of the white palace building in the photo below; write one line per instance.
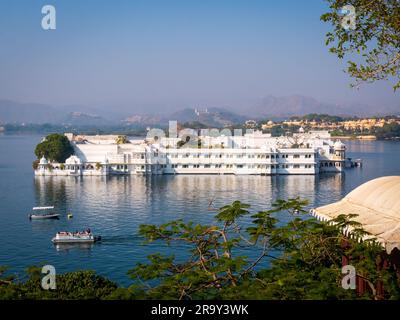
(253, 153)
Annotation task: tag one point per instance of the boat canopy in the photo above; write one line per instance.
(42, 208)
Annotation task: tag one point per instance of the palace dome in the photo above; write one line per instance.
(73, 160)
(377, 204)
(338, 145)
(43, 160)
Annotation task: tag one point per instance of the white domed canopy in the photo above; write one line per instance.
(338, 145)
(377, 204)
(73, 160)
(43, 160)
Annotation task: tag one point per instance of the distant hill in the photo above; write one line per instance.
(84, 119)
(14, 112)
(270, 107)
(208, 117)
(143, 120)
(298, 105)
(211, 117)
(294, 105)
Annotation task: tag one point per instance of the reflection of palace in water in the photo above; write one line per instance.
(110, 194)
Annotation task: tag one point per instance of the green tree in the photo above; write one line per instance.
(298, 257)
(375, 39)
(35, 164)
(388, 131)
(71, 285)
(55, 147)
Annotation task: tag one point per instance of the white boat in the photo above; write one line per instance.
(45, 215)
(75, 237)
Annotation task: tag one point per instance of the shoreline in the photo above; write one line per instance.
(362, 138)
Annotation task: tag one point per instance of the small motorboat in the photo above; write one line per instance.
(45, 215)
(75, 237)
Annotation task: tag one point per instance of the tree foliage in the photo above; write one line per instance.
(55, 147)
(71, 285)
(298, 257)
(121, 139)
(375, 38)
(35, 164)
(318, 118)
(388, 131)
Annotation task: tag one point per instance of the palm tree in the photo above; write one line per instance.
(121, 140)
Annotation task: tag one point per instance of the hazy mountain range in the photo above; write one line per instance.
(270, 107)
(16, 112)
(298, 105)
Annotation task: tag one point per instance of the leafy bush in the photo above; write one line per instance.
(71, 285)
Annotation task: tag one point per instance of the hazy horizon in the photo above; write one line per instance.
(162, 56)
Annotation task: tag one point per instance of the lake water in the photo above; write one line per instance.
(114, 207)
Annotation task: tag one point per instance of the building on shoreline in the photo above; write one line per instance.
(254, 153)
(354, 125)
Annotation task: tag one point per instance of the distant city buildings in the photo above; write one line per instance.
(269, 125)
(359, 125)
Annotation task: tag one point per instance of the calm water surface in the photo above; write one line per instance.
(114, 207)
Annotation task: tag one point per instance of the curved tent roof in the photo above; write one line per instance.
(377, 204)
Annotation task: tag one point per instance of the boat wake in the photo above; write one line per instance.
(118, 239)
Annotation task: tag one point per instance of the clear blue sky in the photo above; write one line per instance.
(168, 54)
